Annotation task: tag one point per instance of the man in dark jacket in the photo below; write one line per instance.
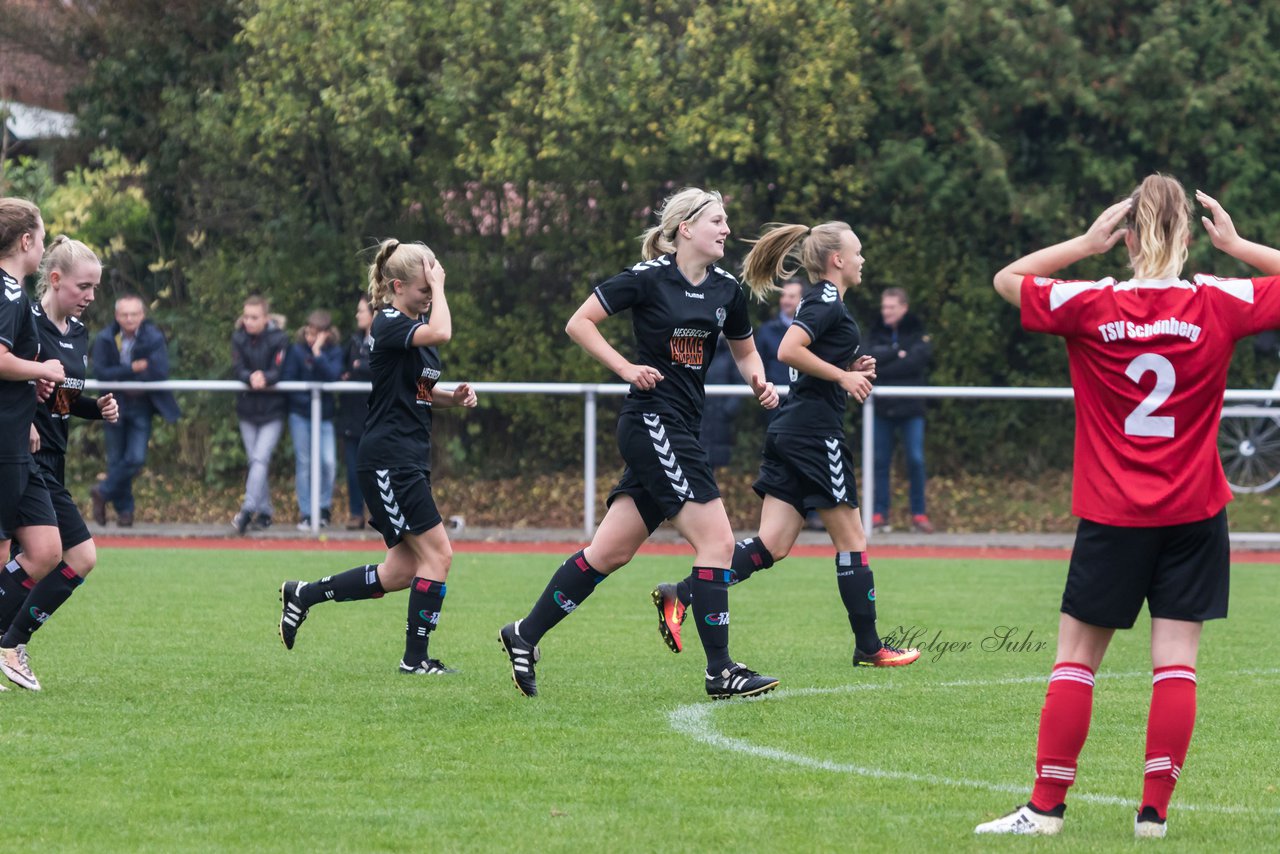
(257, 356)
(902, 351)
(132, 349)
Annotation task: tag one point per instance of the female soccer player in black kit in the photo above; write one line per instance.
(807, 464)
(411, 318)
(26, 512)
(679, 301)
(69, 276)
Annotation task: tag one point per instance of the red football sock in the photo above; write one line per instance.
(1064, 725)
(1169, 726)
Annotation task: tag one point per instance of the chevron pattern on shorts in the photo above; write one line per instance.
(666, 456)
(389, 502)
(836, 465)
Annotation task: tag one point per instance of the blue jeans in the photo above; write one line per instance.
(912, 430)
(300, 430)
(355, 501)
(126, 446)
(259, 444)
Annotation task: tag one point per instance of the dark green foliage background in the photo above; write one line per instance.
(528, 141)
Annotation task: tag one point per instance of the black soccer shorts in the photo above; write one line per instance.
(1183, 572)
(71, 525)
(24, 499)
(400, 502)
(666, 466)
(807, 472)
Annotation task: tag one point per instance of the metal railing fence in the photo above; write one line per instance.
(591, 392)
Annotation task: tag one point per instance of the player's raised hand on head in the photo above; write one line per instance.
(434, 272)
(109, 408)
(642, 377)
(1222, 231)
(464, 395)
(1107, 229)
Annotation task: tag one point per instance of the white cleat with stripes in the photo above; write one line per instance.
(1023, 821)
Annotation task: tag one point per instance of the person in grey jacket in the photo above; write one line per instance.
(257, 357)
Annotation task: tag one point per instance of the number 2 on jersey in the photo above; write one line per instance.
(1140, 422)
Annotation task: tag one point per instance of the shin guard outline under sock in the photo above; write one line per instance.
(1064, 726)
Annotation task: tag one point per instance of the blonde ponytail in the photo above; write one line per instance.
(811, 247)
(1159, 221)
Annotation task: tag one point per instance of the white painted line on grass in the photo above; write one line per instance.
(695, 721)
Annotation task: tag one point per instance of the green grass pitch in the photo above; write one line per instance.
(174, 720)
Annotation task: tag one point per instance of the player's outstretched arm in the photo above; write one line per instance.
(1222, 231)
(1101, 237)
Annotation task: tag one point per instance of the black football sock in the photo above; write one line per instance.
(15, 586)
(573, 582)
(749, 556)
(858, 592)
(360, 582)
(426, 598)
(710, 588)
(45, 598)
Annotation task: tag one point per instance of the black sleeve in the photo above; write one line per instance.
(12, 315)
(393, 330)
(737, 325)
(816, 317)
(623, 291)
(86, 407)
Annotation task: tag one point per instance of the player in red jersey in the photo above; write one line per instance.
(1148, 359)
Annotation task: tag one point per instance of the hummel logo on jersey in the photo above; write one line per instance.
(566, 604)
(692, 295)
(66, 345)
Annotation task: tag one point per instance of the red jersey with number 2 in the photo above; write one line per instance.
(1148, 363)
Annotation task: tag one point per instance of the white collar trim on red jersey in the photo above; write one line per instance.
(1134, 284)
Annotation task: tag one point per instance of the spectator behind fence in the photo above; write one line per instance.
(771, 332)
(902, 350)
(354, 408)
(314, 357)
(257, 357)
(132, 349)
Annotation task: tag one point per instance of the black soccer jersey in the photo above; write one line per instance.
(676, 325)
(398, 427)
(816, 406)
(72, 349)
(17, 397)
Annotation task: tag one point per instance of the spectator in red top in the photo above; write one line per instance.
(1148, 359)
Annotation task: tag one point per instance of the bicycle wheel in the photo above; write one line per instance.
(1249, 445)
